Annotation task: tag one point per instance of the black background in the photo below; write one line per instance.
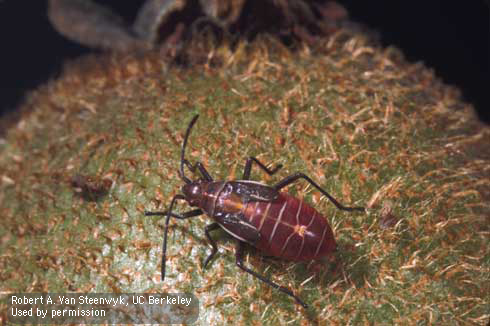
(450, 37)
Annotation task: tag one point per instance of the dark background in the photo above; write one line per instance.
(450, 37)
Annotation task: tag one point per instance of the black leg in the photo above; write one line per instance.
(195, 212)
(200, 167)
(214, 249)
(239, 263)
(170, 214)
(292, 178)
(248, 168)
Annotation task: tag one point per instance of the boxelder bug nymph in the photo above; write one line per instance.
(274, 222)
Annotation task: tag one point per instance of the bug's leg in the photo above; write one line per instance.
(182, 216)
(203, 171)
(170, 214)
(239, 263)
(248, 168)
(292, 178)
(200, 167)
(214, 249)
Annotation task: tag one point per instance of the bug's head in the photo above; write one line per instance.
(193, 193)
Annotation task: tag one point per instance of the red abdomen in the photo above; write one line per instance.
(290, 229)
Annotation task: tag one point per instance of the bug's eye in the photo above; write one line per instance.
(195, 190)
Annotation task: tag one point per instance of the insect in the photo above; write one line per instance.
(272, 221)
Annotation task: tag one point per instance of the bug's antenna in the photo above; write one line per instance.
(182, 159)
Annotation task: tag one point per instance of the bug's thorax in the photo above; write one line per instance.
(213, 196)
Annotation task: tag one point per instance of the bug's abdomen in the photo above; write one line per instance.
(290, 228)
